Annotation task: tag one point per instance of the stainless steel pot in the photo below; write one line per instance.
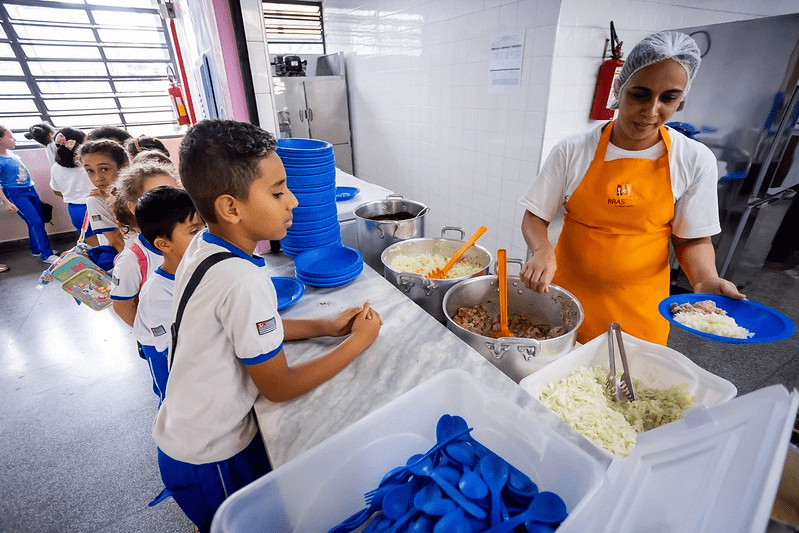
(516, 357)
(429, 293)
(374, 236)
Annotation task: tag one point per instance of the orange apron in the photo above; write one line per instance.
(613, 251)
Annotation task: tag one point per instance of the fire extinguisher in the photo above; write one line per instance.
(178, 104)
(608, 72)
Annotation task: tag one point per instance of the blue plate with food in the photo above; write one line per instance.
(723, 319)
(346, 193)
(289, 291)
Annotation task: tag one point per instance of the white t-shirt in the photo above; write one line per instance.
(49, 151)
(127, 277)
(230, 321)
(72, 183)
(100, 215)
(694, 179)
(154, 313)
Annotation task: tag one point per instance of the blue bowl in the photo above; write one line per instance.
(330, 282)
(302, 146)
(314, 199)
(310, 181)
(302, 227)
(767, 324)
(328, 261)
(312, 236)
(346, 193)
(288, 290)
(315, 212)
(311, 170)
(312, 160)
(293, 250)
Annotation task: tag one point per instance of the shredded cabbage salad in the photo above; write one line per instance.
(583, 400)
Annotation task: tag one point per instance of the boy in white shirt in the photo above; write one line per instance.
(228, 348)
(168, 221)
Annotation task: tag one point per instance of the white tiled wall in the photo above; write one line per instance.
(424, 123)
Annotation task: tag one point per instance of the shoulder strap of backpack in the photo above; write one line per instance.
(141, 258)
(194, 281)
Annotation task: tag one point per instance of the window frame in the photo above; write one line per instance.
(124, 114)
(275, 44)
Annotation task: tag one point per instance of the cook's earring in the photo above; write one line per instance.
(679, 107)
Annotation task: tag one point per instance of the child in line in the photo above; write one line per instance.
(229, 345)
(43, 134)
(21, 197)
(136, 145)
(109, 132)
(69, 180)
(155, 156)
(139, 259)
(103, 159)
(168, 221)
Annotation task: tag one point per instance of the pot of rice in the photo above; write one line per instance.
(406, 264)
(544, 324)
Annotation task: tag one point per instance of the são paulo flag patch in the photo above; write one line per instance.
(266, 326)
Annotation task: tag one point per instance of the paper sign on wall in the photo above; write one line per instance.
(505, 62)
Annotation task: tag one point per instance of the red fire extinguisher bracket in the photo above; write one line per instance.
(608, 72)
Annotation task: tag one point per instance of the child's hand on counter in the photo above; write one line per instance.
(366, 324)
(342, 324)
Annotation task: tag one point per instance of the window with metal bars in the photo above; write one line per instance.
(83, 64)
(294, 27)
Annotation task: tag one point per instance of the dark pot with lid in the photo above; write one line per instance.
(381, 223)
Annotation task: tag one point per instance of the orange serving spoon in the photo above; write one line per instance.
(502, 276)
(441, 273)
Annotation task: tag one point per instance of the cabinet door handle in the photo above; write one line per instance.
(301, 113)
(310, 114)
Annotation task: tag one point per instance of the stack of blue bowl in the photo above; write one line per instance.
(311, 176)
(329, 266)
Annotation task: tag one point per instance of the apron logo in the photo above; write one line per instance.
(624, 193)
(267, 326)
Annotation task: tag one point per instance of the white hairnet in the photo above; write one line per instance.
(655, 48)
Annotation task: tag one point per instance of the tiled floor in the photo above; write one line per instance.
(77, 406)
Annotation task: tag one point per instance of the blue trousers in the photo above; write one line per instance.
(199, 490)
(30, 210)
(76, 214)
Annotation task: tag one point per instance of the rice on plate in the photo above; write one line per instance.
(706, 316)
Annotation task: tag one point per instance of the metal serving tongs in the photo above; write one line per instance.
(626, 384)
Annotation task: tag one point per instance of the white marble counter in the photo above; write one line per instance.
(412, 347)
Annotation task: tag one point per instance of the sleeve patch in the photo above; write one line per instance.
(266, 326)
(158, 330)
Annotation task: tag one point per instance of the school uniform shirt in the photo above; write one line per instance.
(152, 325)
(230, 322)
(72, 183)
(694, 179)
(127, 278)
(13, 173)
(101, 217)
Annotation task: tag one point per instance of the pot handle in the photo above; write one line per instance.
(394, 196)
(382, 234)
(407, 280)
(509, 260)
(445, 229)
(527, 347)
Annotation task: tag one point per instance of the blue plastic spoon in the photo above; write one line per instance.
(494, 471)
(425, 468)
(453, 522)
(429, 500)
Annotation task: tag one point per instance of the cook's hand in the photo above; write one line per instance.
(366, 324)
(538, 272)
(342, 324)
(11, 207)
(719, 286)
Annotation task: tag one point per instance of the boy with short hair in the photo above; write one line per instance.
(168, 221)
(230, 341)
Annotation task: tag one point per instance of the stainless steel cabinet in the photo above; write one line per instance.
(316, 108)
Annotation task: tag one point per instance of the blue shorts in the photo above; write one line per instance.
(199, 490)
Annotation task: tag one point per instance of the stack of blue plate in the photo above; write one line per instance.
(330, 266)
(311, 176)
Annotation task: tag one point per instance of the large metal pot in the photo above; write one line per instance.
(429, 293)
(517, 357)
(376, 230)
